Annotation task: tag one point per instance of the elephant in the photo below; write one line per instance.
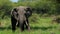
(19, 16)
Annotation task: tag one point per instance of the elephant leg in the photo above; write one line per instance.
(27, 24)
(13, 22)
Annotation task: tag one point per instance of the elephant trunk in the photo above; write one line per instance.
(21, 22)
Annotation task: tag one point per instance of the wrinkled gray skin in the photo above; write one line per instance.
(20, 15)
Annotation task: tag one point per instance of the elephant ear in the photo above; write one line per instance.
(15, 9)
(28, 12)
(14, 13)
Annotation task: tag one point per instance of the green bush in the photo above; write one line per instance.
(34, 18)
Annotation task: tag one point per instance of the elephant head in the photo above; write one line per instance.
(17, 10)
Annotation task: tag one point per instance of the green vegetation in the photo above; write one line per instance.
(41, 21)
(39, 6)
(43, 26)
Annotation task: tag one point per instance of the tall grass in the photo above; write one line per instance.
(43, 26)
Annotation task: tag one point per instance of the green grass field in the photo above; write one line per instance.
(43, 26)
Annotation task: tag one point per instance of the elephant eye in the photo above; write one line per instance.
(17, 15)
(15, 9)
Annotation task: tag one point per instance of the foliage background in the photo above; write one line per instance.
(44, 11)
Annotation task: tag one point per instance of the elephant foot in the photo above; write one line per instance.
(28, 28)
(13, 30)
